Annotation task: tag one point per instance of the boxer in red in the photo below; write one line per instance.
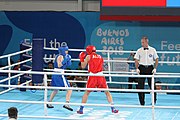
(95, 66)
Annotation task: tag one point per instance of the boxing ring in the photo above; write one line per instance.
(32, 105)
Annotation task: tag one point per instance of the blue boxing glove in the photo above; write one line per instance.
(69, 63)
(64, 62)
(67, 60)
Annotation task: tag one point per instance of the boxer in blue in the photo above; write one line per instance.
(61, 62)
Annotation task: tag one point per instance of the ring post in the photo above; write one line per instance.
(152, 97)
(37, 59)
(109, 67)
(45, 95)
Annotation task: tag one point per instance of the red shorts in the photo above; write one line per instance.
(96, 82)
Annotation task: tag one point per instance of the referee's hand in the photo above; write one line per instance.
(138, 71)
(154, 71)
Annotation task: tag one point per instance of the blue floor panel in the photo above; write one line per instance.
(93, 112)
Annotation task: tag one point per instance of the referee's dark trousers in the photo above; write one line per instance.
(144, 70)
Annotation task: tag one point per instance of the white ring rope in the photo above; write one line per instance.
(111, 51)
(87, 104)
(12, 88)
(16, 53)
(121, 61)
(114, 72)
(5, 79)
(27, 45)
(81, 74)
(124, 83)
(18, 75)
(27, 66)
(26, 55)
(8, 56)
(85, 71)
(18, 63)
(91, 89)
(64, 88)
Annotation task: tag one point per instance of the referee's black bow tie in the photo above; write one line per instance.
(146, 48)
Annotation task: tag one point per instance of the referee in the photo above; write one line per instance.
(146, 61)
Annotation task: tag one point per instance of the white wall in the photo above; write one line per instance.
(52, 5)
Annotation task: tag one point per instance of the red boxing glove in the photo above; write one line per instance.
(82, 56)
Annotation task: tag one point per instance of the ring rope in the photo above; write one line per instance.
(120, 72)
(91, 89)
(80, 74)
(87, 104)
(27, 82)
(18, 63)
(16, 53)
(124, 83)
(3, 80)
(121, 61)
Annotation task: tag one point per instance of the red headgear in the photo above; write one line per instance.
(90, 49)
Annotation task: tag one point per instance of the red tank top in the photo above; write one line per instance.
(95, 63)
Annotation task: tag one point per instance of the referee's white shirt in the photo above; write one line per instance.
(146, 57)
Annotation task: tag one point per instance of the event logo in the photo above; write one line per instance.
(110, 37)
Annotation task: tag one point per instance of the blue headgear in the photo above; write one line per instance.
(62, 50)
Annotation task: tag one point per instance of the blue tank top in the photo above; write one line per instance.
(56, 64)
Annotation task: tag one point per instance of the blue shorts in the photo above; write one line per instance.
(59, 81)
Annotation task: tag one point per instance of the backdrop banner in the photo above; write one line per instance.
(79, 29)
